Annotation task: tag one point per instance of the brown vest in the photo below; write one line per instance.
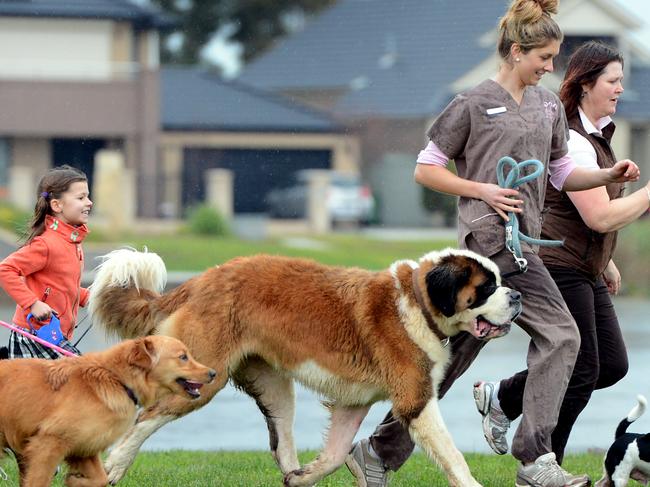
(584, 249)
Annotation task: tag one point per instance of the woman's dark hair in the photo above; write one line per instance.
(586, 64)
(52, 185)
(528, 23)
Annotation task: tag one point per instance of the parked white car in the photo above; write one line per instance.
(347, 199)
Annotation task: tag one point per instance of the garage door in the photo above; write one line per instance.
(256, 172)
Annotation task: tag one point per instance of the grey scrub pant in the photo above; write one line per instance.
(554, 345)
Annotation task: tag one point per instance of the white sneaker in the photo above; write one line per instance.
(368, 470)
(495, 422)
(546, 472)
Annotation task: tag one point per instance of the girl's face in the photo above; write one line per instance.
(600, 99)
(74, 205)
(534, 64)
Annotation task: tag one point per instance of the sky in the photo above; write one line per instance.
(227, 55)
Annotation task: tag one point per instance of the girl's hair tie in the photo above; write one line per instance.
(45, 194)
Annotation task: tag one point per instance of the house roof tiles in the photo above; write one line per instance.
(194, 99)
(402, 62)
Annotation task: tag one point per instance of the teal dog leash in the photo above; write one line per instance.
(514, 236)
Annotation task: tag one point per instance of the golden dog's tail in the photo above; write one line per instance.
(124, 292)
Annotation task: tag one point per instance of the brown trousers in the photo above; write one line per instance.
(552, 353)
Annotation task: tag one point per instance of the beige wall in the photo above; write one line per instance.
(33, 48)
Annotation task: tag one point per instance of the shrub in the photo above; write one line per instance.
(14, 219)
(205, 220)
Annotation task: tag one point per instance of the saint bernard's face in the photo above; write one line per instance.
(466, 293)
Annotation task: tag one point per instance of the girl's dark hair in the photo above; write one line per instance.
(528, 23)
(586, 64)
(52, 185)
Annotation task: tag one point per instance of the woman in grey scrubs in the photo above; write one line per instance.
(582, 268)
(507, 115)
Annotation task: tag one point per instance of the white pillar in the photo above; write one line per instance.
(317, 211)
(113, 192)
(22, 187)
(219, 191)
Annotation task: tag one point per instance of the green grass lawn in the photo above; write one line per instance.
(193, 253)
(251, 469)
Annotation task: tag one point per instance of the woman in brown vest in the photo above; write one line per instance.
(506, 115)
(588, 221)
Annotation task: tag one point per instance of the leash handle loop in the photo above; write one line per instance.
(511, 181)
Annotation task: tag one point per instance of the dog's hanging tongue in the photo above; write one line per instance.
(485, 330)
(191, 387)
(483, 327)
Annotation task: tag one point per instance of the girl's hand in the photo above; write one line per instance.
(40, 311)
(612, 278)
(624, 171)
(501, 199)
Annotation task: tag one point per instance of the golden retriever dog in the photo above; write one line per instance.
(74, 408)
(351, 335)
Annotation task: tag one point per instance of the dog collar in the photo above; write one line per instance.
(427, 316)
(131, 394)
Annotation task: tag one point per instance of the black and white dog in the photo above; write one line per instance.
(629, 456)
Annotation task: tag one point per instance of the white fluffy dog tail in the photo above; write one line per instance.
(127, 267)
(125, 283)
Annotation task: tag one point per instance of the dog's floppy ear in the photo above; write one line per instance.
(143, 353)
(443, 283)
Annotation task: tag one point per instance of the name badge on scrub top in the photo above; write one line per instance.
(495, 111)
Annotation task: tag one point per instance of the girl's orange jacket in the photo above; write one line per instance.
(49, 268)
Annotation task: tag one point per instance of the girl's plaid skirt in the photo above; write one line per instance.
(21, 346)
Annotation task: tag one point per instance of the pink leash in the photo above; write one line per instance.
(39, 340)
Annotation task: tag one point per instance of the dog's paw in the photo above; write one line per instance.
(115, 471)
(295, 478)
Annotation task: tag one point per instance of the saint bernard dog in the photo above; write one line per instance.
(353, 336)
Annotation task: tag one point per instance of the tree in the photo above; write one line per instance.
(197, 22)
(255, 24)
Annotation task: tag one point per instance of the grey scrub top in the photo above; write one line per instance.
(484, 124)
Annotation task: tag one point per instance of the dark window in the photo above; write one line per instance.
(79, 153)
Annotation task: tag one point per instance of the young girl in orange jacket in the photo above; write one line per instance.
(44, 275)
